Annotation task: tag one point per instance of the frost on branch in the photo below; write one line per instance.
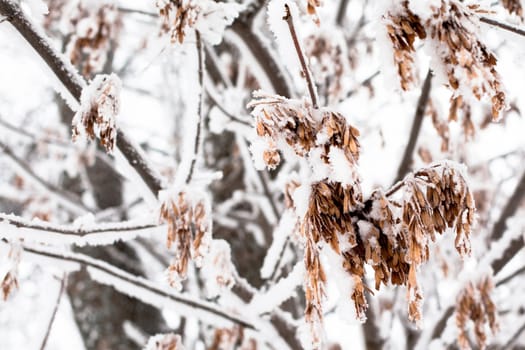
(475, 304)
(10, 280)
(167, 341)
(210, 18)
(99, 107)
(189, 231)
(450, 29)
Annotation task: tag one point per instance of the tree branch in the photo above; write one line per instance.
(201, 58)
(143, 289)
(341, 12)
(500, 226)
(15, 227)
(306, 71)
(62, 197)
(74, 83)
(54, 313)
(504, 26)
(406, 163)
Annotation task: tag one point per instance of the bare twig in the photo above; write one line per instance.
(514, 337)
(261, 54)
(74, 83)
(341, 12)
(50, 233)
(511, 276)
(500, 226)
(406, 163)
(67, 199)
(55, 309)
(196, 146)
(504, 26)
(306, 71)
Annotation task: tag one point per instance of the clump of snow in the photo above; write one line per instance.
(301, 199)
(36, 8)
(214, 18)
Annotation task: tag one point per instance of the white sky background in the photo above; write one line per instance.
(27, 100)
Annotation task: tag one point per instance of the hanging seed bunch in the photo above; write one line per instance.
(99, 107)
(317, 135)
(10, 280)
(95, 30)
(475, 304)
(189, 233)
(468, 64)
(393, 237)
(177, 16)
(403, 27)
(327, 58)
(513, 6)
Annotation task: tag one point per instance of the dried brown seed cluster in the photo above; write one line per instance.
(440, 125)
(189, 229)
(10, 280)
(513, 6)
(302, 128)
(403, 29)
(177, 16)
(475, 304)
(468, 63)
(167, 341)
(314, 286)
(393, 238)
(95, 30)
(311, 7)
(327, 63)
(232, 338)
(99, 106)
(439, 199)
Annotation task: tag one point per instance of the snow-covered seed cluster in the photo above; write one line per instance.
(451, 27)
(403, 28)
(169, 341)
(99, 107)
(303, 129)
(189, 230)
(392, 237)
(475, 304)
(513, 6)
(95, 28)
(208, 17)
(437, 198)
(177, 16)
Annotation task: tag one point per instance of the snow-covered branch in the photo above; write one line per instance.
(82, 232)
